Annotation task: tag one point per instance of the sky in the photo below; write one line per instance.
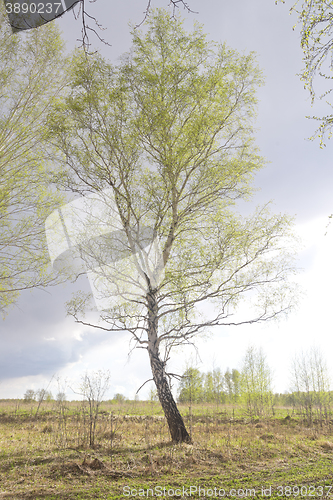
(38, 341)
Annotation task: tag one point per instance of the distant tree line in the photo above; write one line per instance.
(213, 386)
(251, 387)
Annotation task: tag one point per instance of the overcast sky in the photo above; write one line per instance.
(38, 341)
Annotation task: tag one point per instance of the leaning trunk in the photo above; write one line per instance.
(175, 421)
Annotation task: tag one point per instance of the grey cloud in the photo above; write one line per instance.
(25, 345)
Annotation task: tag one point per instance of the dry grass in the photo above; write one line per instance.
(51, 455)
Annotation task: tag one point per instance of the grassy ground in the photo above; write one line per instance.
(47, 457)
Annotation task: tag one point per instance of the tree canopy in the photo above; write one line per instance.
(30, 77)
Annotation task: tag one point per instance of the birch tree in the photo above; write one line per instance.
(310, 383)
(256, 382)
(93, 387)
(169, 132)
(191, 388)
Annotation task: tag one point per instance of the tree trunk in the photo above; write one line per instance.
(175, 421)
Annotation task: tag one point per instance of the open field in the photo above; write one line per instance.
(48, 457)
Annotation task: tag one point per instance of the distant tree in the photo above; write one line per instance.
(256, 382)
(229, 384)
(49, 396)
(236, 383)
(232, 383)
(153, 395)
(29, 396)
(208, 388)
(93, 387)
(120, 398)
(41, 395)
(310, 383)
(191, 386)
(218, 385)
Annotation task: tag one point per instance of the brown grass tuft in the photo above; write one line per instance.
(327, 445)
